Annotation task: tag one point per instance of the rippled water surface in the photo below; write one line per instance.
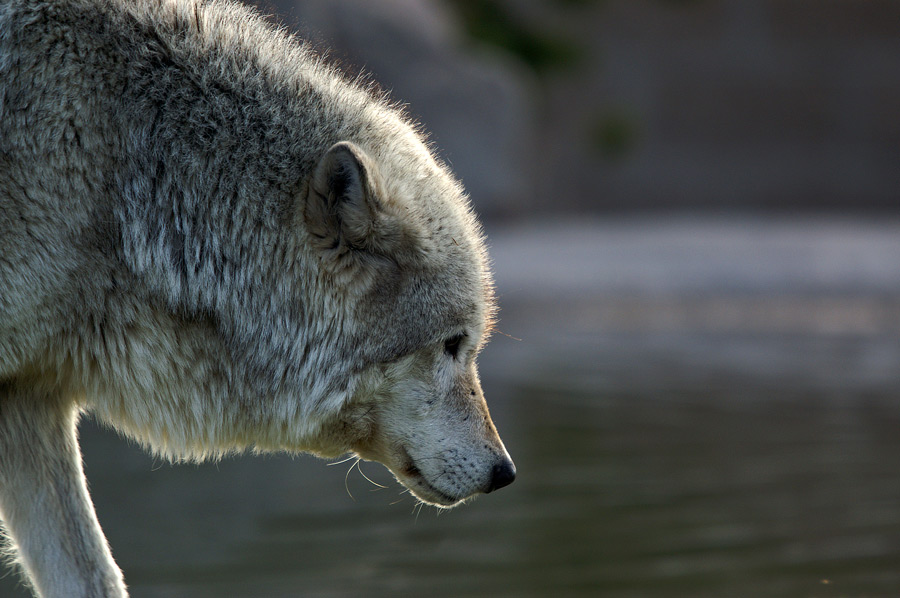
(689, 459)
(619, 494)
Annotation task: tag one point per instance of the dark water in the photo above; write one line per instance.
(716, 487)
(671, 441)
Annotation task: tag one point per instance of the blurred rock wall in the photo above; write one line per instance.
(731, 104)
(659, 104)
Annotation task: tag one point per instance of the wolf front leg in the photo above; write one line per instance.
(44, 502)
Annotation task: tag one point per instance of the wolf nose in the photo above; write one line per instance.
(502, 475)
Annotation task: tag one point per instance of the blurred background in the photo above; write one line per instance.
(693, 214)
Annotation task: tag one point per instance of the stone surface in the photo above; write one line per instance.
(723, 104)
(734, 104)
(698, 303)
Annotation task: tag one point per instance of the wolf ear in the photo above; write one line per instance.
(342, 208)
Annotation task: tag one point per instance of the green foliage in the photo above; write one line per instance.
(488, 22)
(615, 133)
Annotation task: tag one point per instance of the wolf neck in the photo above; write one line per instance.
(215, 255)
(213, 239)
(207, 220)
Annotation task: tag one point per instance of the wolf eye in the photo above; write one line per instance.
(451, 345)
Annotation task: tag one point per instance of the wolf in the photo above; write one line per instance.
(214, 241)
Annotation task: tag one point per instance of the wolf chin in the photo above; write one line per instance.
(214, 242)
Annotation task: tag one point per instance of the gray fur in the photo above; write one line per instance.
(214, 241)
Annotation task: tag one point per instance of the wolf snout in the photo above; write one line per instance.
(503, 474)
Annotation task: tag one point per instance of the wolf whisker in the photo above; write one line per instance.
(347, 475)
(359, 469)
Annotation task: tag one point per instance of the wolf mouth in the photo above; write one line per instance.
(420, 487)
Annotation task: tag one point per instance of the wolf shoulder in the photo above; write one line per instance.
(121, 121)
(58, 146)
(71, 136)
(100, 98)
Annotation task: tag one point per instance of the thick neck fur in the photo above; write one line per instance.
(205, 226)
(202, 232)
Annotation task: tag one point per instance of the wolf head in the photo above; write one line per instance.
(309, 280)
(407, 258)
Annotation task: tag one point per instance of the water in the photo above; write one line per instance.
(619, 495)
(663, 450)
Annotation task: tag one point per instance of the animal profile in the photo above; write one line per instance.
(213, 241)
